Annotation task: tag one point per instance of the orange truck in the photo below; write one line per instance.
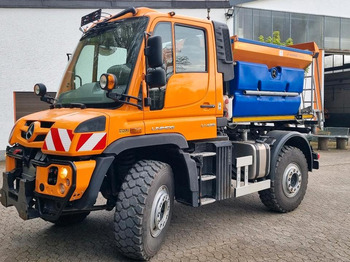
(158, 107)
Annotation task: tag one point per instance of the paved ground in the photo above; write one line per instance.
(231, 230)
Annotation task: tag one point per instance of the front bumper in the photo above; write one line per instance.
(19, 192)
(27, 184)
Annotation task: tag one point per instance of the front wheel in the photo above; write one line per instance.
(288, 186)
(144, 208)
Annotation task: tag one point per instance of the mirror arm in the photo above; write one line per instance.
(134, 97)
(147, 99)
(115, 98)
(48, 99)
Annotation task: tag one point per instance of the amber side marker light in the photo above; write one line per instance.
(108, 81)
(136, 130)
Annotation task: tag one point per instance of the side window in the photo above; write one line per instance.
(163, 29)
(190, 46)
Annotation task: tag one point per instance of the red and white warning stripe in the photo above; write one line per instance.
(58, 139)
(91, 141)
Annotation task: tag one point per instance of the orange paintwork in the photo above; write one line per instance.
(310, 46)
(84, 173)
(83, 176)
(70, 118)
(270, 56)
(10, 163)
(187, 92)
(318, 82)
(53, 190)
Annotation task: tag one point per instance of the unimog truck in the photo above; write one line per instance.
(156, 107)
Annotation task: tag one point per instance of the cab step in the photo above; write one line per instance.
(207, 177)
(207, 200)
(203, 154)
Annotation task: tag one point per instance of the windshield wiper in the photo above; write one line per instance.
(70, 105)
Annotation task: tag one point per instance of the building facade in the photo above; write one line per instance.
(37, 35)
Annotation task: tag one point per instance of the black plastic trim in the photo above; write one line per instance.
(223, 50)
(221, 121)
(289, 138)
(146, 140)
(89, 197)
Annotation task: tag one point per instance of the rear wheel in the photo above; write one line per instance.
(144, 208)
(289, 184)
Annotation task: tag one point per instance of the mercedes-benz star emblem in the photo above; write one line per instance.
(30, 131)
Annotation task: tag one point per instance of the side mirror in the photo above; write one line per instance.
(156, 77)
(154, 51)
(40, 89)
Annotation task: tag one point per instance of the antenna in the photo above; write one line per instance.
(208, 12)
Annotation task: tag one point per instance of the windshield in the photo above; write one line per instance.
(107, 48)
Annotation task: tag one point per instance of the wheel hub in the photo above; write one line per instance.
(160, 211)
(291, 180)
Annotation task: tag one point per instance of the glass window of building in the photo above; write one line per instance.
(281, 23)
(244, 23)
(262, 23)
(315, 30)
(332, 33)
(299, 27)
(345, 34)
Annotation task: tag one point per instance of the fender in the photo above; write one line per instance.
(146, 140)
(89, 197)
(117, 147)
(295, 139)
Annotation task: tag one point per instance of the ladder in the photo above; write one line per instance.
(312, 96)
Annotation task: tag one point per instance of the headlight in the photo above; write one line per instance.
(92, 125)
(40, 89)
(108, 81)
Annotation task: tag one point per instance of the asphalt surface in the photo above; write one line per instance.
(232, 230)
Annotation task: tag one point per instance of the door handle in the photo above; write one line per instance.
(207, 106)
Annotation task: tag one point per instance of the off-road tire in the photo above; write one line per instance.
(132, 220)
(280, 197)
(66, 220)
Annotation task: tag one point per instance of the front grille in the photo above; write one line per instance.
(43, 124)
(46, 124)
(40, 138)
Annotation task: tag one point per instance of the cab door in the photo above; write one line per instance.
(186, 104)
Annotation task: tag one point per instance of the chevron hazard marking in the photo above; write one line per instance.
(58, 139)
(91, 141)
